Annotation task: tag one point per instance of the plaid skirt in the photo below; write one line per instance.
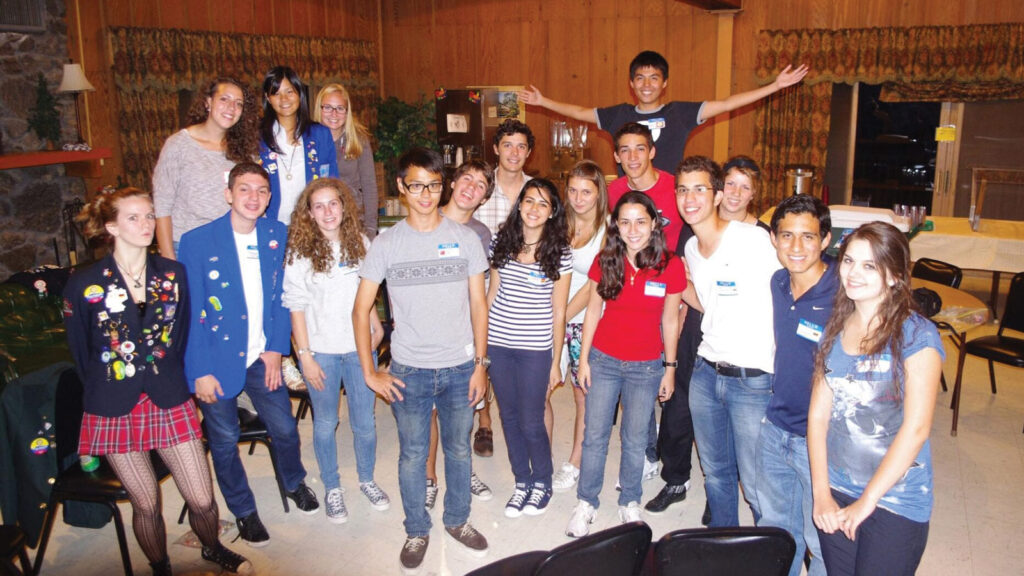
(146, 427)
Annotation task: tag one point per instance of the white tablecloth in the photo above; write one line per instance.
(997, 246)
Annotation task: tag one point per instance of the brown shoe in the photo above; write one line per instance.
(483, 443)
(466, 535)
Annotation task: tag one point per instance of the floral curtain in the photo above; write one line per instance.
(928, 63)
(152, 66)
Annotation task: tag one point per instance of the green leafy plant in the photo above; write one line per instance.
(400, 126)
(44, 119)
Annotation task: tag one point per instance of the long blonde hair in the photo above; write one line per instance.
(354, 130)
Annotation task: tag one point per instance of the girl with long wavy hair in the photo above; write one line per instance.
(531, 267)
(876, 381)
(294, 149)
(321, 275)
(191, 173)
(586, 210)
(136, 397)
(628, 352)
(333, 108)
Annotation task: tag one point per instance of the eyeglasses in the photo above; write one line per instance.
(683, 190)
(417, 188)
(333, 109)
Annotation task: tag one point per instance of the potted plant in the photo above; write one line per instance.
(44, 119)
(400, 126)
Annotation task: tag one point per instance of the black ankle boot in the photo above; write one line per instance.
(161, 568)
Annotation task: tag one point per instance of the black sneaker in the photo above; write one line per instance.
(705, 519)
(412, 553)
(668, 496)
(251, 530)
(304, 499)
(230, 561)
(468, 536)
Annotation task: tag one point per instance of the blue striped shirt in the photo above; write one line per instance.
(521, 316)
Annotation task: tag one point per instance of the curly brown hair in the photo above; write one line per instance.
(242, 139)
(305, 239)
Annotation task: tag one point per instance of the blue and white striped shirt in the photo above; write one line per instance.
(521, 316)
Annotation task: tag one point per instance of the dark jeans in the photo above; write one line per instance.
(886, 543)
(675, 438)
(275, 410)
(520, 380)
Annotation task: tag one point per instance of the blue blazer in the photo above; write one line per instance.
(321, 162)
(118, 354)
(218, 340)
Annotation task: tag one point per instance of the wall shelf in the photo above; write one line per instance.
(84, 164)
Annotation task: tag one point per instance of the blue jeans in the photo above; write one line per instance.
(784, 494)
(520, 380)
(275, 410)
(637, 383)
(339, 369)
(448, 390)
(727, 415)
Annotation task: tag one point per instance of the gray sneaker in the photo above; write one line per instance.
(334, 502)
(468, 536)
(378, 498)
(412, 554)
(479, 489)
(431, 493)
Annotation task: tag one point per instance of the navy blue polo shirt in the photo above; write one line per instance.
(799, 326)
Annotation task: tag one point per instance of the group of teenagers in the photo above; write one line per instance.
(809, 380)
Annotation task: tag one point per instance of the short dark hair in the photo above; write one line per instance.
(803, 204)
(243, 168)
(475, 165)
(649, 59)
(637, 129)
(513, 126)
(421, 157)
(702, 164)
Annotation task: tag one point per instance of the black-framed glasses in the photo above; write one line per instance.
(417, 188)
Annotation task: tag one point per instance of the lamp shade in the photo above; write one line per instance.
(74, 80)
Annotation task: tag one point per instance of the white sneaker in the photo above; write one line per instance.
(629, 513)
(651, 470)
(582, 517)
(565, 478)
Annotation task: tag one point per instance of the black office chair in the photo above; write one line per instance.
(12, 545)
(999, 348)
(739, 550)
(519, 565)
(937, 271)
(100, 486)
(253, 431)
(617, 551)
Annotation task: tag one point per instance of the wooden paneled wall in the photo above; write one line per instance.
(579, 50)
(87, 20)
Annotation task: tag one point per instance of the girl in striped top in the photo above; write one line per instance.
(531, 267)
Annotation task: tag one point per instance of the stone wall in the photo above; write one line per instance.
(31, 199)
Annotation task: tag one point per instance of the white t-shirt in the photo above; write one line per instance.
(582, 258)
(252, 286)
(734, 286)
(291, 162)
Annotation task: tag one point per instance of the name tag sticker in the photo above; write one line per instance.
(537, 278)
(726, 288)
(809, 331)
(656, 289)
(654, 123)
(882, 363)
(348, 267)
(252, 252)
(448, 250)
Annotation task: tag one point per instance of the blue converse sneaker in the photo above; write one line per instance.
(514, 507)
(537, 503)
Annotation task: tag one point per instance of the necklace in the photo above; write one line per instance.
(136, 278)
(633, 275)
(291, 156)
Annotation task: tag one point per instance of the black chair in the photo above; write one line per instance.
(937, 271)
(518, 565)
(12, 545)
(999, 348)
(253, 431)
(100, 486)
(941, 273)
(740, 550)
(617, 551)
(305, 404)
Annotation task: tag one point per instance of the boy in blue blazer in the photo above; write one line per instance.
(239, 331)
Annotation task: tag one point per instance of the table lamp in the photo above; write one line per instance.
(75, 82)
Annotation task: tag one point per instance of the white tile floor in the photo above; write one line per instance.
(974, 526)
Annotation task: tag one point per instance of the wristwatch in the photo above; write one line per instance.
(484, 361)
